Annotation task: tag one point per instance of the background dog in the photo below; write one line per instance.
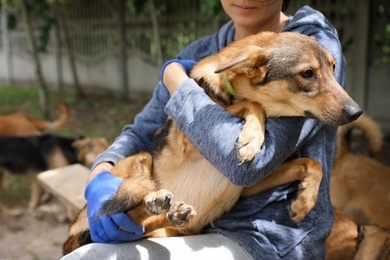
(359, 184)
(28, 156)
(19, 124)
(349, 241)
(341, 244)
(259, 70)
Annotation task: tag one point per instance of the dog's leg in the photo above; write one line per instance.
(306, 170)
(136, 165)
(36, 195)
(137, 197)
(136, 172)
(156, 212)
(78, 234)
(252, 135)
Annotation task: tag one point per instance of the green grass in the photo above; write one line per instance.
(98, 115)
(24, 98)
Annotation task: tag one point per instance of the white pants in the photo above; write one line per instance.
(207, 246)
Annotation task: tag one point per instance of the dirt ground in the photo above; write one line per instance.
(28, 237)
(40, 236)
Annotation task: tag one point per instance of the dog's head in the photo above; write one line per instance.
(289, 73)
(373, 242)
(89, 148)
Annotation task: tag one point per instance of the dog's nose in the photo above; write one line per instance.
(352, 112)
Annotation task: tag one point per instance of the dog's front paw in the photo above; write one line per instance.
(249, 142)
(158, 202)
(180, 214)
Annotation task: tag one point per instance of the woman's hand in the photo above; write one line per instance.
(114, 228)
(175, 72)
(104, 166)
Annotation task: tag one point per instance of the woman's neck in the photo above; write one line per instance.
(275, 25)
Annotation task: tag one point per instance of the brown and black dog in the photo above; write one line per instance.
(18, 124)
(285, 74)
(359, 185)
(28, 156)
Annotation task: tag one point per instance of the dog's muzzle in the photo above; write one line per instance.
(352, 112)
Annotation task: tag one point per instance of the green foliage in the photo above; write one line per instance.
(382, 40)
(8, 3)
(40, 9)
(212, 8)
(11, 21)
(137, 7)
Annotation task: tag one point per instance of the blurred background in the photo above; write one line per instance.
(117, 47)
(103, 59)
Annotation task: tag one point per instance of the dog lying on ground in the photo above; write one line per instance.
(359, 185)
(19, 124)
(349, 241)
(284, 74)
(341, 244)
(28, 156)
(373, 243)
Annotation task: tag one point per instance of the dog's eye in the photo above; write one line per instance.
(307, 74)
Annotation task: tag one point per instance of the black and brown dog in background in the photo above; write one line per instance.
(18, 124)
(285, 74)
(28, 156)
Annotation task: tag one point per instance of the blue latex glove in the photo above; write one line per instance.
(114, 228)
(187, 64)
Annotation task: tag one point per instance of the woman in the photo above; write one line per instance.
(259, 226)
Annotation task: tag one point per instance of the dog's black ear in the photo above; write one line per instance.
(249, 57)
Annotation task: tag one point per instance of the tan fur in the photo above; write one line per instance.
(18, 124)
(359, 185)
(89, 148)
(183, 175)
(349, 241)
(373, 243)
(341, 244)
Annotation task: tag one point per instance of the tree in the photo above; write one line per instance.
(57, 9)
(43, 92)
(140, 7)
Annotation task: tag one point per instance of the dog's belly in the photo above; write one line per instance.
(199, 184)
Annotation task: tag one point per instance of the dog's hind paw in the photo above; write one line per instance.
(158, 202)
(180, 214)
